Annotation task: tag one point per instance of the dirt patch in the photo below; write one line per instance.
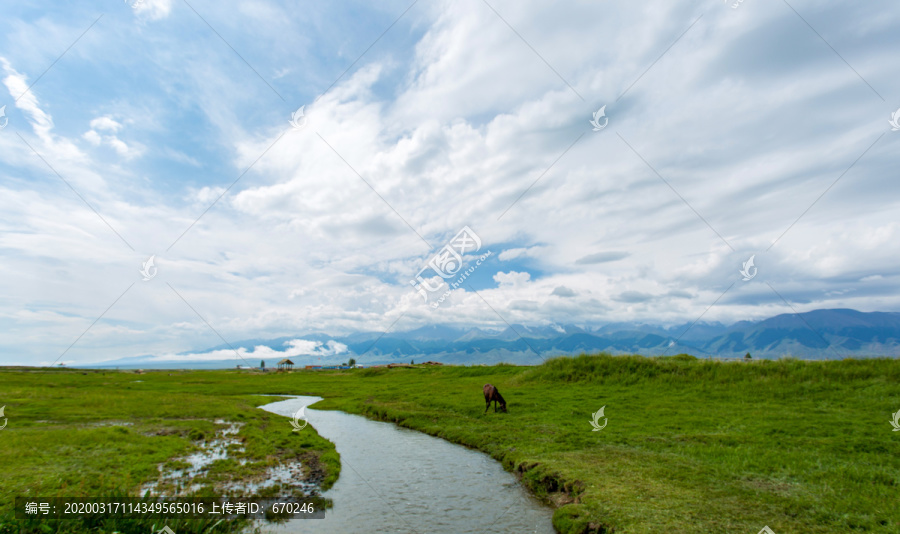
(313, 468)
(561, 498)
(771, 486)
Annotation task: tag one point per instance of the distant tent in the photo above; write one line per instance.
(285, 364)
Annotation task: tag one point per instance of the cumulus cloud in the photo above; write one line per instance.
(152, 9)
(106, 124)
(295, 347)
(103, 132)
(512, 278)
(321, 229)
(563, 291)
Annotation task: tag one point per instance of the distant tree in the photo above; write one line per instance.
(352, 362)
(747, 356)
(262, 364)
(412, 362)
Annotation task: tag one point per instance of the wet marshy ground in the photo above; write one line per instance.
(208, 466)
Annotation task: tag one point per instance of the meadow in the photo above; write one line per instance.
(689, 445)
(73, 433)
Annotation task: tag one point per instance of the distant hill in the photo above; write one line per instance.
(839, 332)
(818, 334)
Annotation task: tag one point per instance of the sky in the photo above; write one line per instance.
(163, 128)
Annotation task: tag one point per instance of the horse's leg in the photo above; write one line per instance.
(488, 405)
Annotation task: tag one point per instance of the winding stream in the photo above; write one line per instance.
(398, 480)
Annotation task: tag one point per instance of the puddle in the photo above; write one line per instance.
(110, 423)
(287, 477)
(180, 482)
(191, 475)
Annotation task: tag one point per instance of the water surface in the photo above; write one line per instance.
(401, 481)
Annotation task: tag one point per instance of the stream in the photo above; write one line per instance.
(396, 480)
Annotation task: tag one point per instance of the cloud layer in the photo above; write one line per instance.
(731, 132)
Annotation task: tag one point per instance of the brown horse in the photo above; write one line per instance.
(491, 394)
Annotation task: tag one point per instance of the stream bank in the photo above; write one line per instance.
(402, 481)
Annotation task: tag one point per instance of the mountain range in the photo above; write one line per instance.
(818, 334)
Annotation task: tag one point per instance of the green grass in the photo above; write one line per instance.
(87, 434)
(691, 445)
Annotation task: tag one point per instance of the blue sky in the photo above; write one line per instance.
(761, 130)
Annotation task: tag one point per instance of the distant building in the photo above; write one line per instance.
(285, 365)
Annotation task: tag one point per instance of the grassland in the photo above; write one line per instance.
(690, 446)
(89, 434)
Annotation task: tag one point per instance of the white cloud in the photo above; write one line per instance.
(523, 252)
(42, 123)
(92, 137)
(110, 126)
(105, 124)
(152, 9)
(455, 134)
(295, 347)
(512, 278)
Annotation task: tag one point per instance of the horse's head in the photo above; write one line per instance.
(503, 408)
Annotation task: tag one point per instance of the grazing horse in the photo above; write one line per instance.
(491, 394)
